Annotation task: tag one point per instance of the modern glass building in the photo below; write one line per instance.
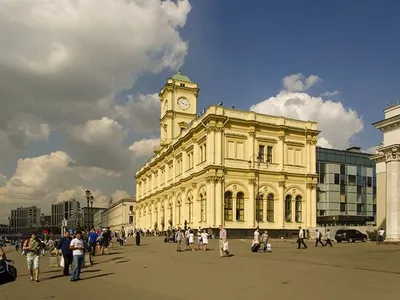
(346, 193)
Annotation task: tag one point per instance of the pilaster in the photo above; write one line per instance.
(210, 200)
(219, 202)
(280, 212)
(252, 203)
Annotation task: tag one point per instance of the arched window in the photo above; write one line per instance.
(288, 208)
(298, 209)
(240, 206)
(156, 216)
(150, 217)
(170, 220)
(203, 207)
(270, 208)
(260, 208)
(228, 206)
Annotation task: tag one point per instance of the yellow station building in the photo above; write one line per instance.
(239, 169)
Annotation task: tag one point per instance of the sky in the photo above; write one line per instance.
(79, 80)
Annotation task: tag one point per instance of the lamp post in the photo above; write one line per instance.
(88, 198)
(91, 211)
(255, 162)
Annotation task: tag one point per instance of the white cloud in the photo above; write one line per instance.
(144, 147)
(330, 94)
(299, 83)
(371, 150)
(141, 112)
(337, 123)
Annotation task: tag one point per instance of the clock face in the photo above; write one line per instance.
(183, 103)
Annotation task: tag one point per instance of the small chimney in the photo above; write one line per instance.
(354, 149)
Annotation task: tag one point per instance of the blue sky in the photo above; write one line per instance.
(239, 51)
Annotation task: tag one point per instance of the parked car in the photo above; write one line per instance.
(350, 235)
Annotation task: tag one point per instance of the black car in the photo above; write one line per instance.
(350, 235)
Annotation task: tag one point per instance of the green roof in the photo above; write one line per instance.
(179, 76)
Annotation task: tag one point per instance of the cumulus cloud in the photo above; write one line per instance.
(337, 123)
(299, 83)
(59, 82)
(141, 112)
(330, 94)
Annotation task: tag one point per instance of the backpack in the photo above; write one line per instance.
(8, 273)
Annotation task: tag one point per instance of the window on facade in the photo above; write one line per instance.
(269, 154)
(228, 207)
(240, 206)
(298, 211)
(170, 220)
(182, 85)
(130, 207)
(322, 172)
(352, 180)
(178, 212)
(190, 160)
(322, 212)
(369, 181)
(359, 209)
(288, 208)
(270, 208)
(342, 207)
(203, 152)
(130, 219)
(261, 149)
(259, 208)
(182, 129)
(203, 208)
(336, 179)
(374, 209)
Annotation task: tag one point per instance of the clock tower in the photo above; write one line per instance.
(178, 106)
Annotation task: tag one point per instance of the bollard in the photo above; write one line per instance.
(53, 261)
(87, 261)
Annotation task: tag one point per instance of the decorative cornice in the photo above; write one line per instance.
(211, 128)
(252, 133)
(391, 153)
(281, 137)
(235, 135)
(215, 179)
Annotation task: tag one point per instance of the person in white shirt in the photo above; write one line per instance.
(199, 240)
(204, 239)
(191, 240)
(187, 232)
(77, 247)
(256, 239)
(380, 237)
(328, 238)
(300, 240)
(318, 238)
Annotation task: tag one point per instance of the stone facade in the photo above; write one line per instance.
(388, 174)
(227, 167)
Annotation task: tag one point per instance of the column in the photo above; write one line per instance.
(250, 209)
(219, 201)
(210, 201)
(212, 146)
(308, 210)
(308, 162)
(173, 207)
(281, 149)
(393, 194)
(280, 212)
(195, 204)
(218, 146)
(313, 154)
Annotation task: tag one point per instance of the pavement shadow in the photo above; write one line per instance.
(122, 261)
(98, 276)
(62, 275)
(108, 260)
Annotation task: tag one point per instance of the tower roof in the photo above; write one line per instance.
(179, 76)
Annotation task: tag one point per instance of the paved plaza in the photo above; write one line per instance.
(156, 271)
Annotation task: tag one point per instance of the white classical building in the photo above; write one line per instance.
(388, 173)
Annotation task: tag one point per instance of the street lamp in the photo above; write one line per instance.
(91, 211)
(255, 162)
(88, 198)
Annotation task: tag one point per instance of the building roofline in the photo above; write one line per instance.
(346, 151)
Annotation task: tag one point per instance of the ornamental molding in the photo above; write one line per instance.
(252, 181)
(311, 186)
(282, 184)
(235, 135)
(390, 153)
(252, 133)
(194, 185)
(211, 128)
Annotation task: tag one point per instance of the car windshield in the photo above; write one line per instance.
(340, 231)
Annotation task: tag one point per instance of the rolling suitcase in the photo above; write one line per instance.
(8, 273)
(255, 247)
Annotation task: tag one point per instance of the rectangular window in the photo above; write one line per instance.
(352, 180)
(342, 207)
(269, 154)
(261, 149)
(270, 209)
(130, 207)
(203, 153)
(336, 179)
(369, 181)
(260, 210)
(359, 209)
(239, 209)
(322, 171)
(130, 219)
(239, 151)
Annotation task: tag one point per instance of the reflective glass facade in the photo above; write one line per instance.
(346, 192)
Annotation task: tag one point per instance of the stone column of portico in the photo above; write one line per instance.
(392, 155)
(280, 212)
(252, 203)
(219, 200)
(210, 201)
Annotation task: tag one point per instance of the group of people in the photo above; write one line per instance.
(318, 238)
(189, 237)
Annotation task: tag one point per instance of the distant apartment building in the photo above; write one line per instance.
(346, 192)
(69, 210)
(88, 215)
(25, 219)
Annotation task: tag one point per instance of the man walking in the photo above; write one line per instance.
(380, 236)
(178, 239)
(300, 240)
(77, 245)
(93, 236)
(32, 246)
(318, 238)
(66, 252)
(328, 238)
(222, 240)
